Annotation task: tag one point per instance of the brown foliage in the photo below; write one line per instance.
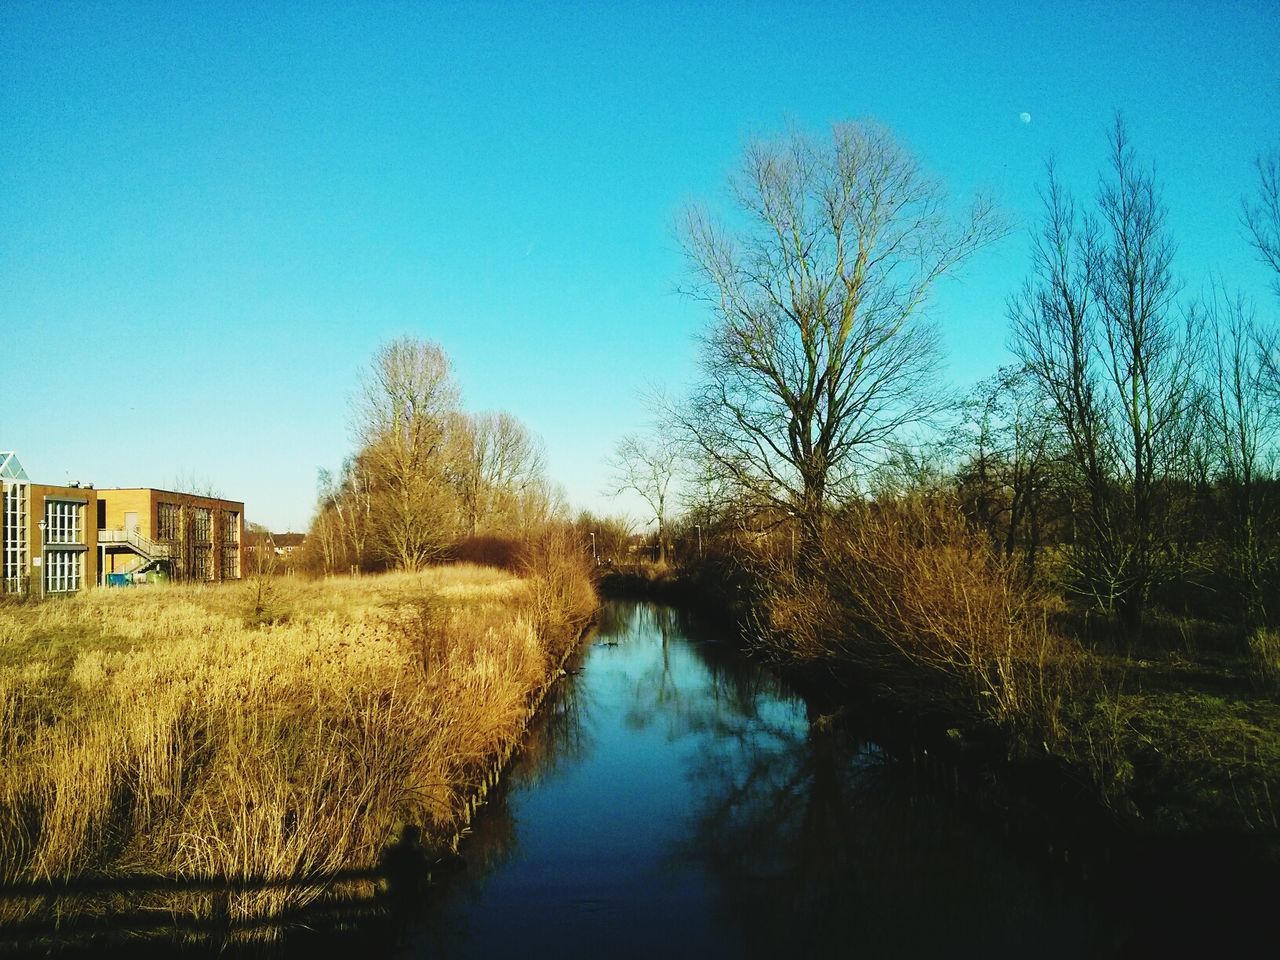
(488, 550)
(561, 591)
(911, 591)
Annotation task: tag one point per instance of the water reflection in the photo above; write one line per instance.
(677, 799)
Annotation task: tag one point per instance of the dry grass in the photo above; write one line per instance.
(159, 731)
(1264, 659)
(909, 590)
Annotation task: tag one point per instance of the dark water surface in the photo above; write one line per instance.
(677, 800)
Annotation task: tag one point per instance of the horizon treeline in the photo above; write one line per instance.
(1129, 454)
(426, 474)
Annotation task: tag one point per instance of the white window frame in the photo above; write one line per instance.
(15, 517)
(63, 521)
(62, 570)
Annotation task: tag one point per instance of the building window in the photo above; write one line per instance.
(168, 521)
(62, 571)
(230, 563)
(203, 524)
(202, 562)
(13, 517)
(62, 522)
(230, 527)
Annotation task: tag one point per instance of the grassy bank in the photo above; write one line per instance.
(215, 733)
(909, 605)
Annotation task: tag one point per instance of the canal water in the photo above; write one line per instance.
(677, 800)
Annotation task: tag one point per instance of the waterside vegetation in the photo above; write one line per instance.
(177, 732)
(1074, 565)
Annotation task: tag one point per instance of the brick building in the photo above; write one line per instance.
(60, 539)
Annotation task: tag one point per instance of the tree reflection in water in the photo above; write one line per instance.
(675, 797)
(815, 842)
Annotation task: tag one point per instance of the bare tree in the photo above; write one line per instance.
(1149, 361)
(1009, 446)
(498, 459)
(264, 562)
(540, 504)
(820, 353)
(1261, 215)
(646, 466)
(189, 529)
(326, 531)
(1099, 329)
(1244, 424)
(344, 517)
(401, 418)
(1261, 219)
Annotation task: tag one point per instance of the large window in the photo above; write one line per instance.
(230, 527)
(63, 521)
(230, 563)
(202, 562)
(13, 516)
(62, 570)
(168, 521)
(203, 524)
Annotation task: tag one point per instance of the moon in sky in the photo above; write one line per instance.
(1024, 117)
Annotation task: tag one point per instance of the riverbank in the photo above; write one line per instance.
(1202, 879)
(252, 752)
(1173, 742)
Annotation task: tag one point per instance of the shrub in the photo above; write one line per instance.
(488, 550)
(908, 584)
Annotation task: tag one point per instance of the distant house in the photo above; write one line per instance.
(278, 548)
(62, 539)
(287, 544)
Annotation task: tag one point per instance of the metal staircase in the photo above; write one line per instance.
(149, 553)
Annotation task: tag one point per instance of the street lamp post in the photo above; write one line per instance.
(41, 526)
(698, 527)
(594, 559)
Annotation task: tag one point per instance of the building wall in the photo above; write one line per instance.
(86, 501)
(224, 545)
(120, 502)
(220, 550)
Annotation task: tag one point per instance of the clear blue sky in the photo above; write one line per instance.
(211, 214)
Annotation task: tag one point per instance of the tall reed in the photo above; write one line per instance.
(165, 731)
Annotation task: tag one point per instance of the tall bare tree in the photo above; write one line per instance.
(646, 466)
(189, 529)
(1099, 329)
(344, 514)
(1244, 424)
(401, 418)
(1009, 447)
(820, 353)
(1260, 215)
(498, 460)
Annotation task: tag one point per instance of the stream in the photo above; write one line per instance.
(676, 799)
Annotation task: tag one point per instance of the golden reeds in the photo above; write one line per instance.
(162, 731)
